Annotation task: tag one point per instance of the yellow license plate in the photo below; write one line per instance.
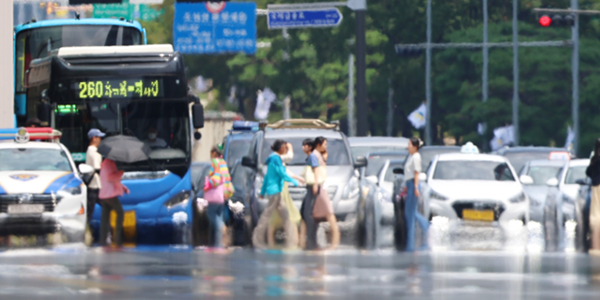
(128, 224)
(478, 215)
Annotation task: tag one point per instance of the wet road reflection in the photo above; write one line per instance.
(158, 272)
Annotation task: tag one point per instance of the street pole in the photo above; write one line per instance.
(485, 51)
(351, 122)
(428, 78)
(390, 113)
(515, 100)
(575, 74)
(361, 68)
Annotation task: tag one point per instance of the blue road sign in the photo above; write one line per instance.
(322, 17)
(203, 28)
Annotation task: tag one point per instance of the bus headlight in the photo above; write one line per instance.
(181, 198)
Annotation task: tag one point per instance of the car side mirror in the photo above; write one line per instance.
(248, 162)
(423, 177)
(552, 182)
(198, 115)
(399, 171)
(526, 179)
(360, 162)
(87, 173)
(372, 179)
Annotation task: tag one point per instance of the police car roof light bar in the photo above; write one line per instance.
(35, 133)
(245, 126)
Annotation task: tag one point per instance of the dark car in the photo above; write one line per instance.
(428, 153)
(237, 142)
(361, 146)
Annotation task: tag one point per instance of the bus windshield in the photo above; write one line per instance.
(39, 42)
(162, 124)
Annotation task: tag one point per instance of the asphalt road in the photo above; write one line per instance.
(179, 272)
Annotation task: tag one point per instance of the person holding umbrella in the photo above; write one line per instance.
(125, 149)
(110, 189)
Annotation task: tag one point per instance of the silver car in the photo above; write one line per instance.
(361, 146)
(562, 206)
(343, 183)
(534, 176)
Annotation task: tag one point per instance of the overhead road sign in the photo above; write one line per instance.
(207, 28)
(325, 17)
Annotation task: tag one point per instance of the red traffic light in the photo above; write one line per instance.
(545, 21)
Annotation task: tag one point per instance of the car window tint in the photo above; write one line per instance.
(29, 159)
(473, 170)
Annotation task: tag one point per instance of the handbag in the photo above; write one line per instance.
(322, 206)
(309, 175)
(215, 195)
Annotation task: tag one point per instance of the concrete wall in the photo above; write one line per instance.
(6, 61)
(216, 126)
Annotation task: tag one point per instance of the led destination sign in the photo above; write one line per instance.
(119, 88)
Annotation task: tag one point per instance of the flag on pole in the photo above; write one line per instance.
(570, 138)
(263, 104)
(418, 117)
(503, 136)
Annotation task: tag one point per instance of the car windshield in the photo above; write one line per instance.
(389, 173)
(541, 174)
(519, 159)
(39, 42)
(338, 153)
(237, 149)
(376, 162)
(473, 170)
(574, 174)
(427, 155)
(364, 150)
(32, 159)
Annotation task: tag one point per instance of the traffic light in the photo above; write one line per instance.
(408, 51)
(557, 20)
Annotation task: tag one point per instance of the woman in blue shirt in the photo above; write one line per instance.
(271, 188)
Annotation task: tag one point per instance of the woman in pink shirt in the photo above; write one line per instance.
(110, 189)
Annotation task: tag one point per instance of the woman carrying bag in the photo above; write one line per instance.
(293, 212)
(216, 190)
(272, 187)
(317, 206)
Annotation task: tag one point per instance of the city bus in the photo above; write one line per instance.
(37, 39)
(139, 91)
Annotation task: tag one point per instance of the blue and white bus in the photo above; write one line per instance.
(37, 39)
(139, 91)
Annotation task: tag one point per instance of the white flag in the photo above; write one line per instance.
(570, 138)
(418, 117)
(263, 104)
(503, 136)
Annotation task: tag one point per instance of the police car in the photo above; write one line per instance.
(41, 190)
(472, 189)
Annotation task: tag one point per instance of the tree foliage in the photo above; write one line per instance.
(311, 66)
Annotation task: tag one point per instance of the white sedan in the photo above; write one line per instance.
(41, 190)
(478, 190)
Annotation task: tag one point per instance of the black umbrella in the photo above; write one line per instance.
(122, 148)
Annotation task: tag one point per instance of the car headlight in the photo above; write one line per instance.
(518, 198)
(437, 196)
(351, 189)
(181, 198)
(72, 191)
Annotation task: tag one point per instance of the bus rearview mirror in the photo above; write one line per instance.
(198, 115)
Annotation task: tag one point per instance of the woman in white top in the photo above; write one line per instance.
(412, 168)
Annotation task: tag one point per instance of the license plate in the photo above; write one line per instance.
(21, 209)
(478, 215)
